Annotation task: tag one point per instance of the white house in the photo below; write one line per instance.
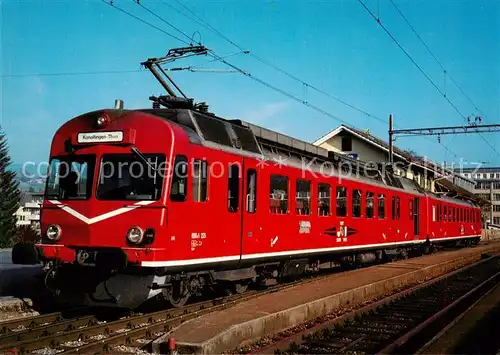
(28, 212)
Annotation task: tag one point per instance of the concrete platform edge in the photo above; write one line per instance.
(13, 304)
(247, 332)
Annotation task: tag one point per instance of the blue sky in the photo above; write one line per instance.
(334, 45)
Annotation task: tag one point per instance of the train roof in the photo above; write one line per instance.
(246, 138)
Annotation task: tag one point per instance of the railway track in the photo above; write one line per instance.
(58, 333)
(52, 334)
(404, 322)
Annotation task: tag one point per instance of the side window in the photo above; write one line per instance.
(410, 209)
(323, 200)
(251, 201)
(398, 208)
(370, 208)
(395, 208)
(233, 188)
(381, 206)
(434, 213)
(200, 186)
(178, 191)
(341, 201)
(393, 205)
(303, 198)
(445, 213)
(279, 194)
(357, 195)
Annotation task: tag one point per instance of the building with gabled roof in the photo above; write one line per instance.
(429, 175)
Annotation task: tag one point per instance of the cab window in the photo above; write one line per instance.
(178, 187)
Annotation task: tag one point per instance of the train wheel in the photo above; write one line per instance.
(177, 295)
(240, 287)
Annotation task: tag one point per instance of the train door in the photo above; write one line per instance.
(235, 205)
(251, 228)
(416, 219)
(204, 213)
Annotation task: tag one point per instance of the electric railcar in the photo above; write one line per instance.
(167, 203)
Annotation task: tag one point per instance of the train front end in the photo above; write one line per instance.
(104, 207)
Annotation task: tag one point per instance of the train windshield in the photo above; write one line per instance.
(129, 177)
(70, 177)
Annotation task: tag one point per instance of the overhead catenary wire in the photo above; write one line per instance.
(445, 71)
(144, 21)
(190, 39)
(247, 74)
(97, 72)
(421, 70)
(199, 20)
(283, 92)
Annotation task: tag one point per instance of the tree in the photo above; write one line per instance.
(26, 234)
(9, 195)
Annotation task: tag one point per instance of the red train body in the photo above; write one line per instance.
(212, 207)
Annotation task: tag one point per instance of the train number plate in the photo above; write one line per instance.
(86, 257)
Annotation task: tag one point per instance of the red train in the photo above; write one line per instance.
(172, 202)
(200, 200)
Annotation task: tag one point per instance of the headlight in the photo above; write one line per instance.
(102, 121)
(53, 232)
(135, 235)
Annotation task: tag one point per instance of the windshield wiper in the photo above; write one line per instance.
(141, 156)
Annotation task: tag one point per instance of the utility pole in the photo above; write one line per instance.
(491, 202)
(391, 139)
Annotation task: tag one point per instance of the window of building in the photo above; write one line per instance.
(233, 188)
(346, 144)
(303, 197)
(341, 201)
(381, 206)
(200, 182)
(323, 199)
(178, 191)
(279, 194)
(251, 199)
(357, 196)
(370, 204)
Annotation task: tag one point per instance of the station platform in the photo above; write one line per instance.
(272, 313)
